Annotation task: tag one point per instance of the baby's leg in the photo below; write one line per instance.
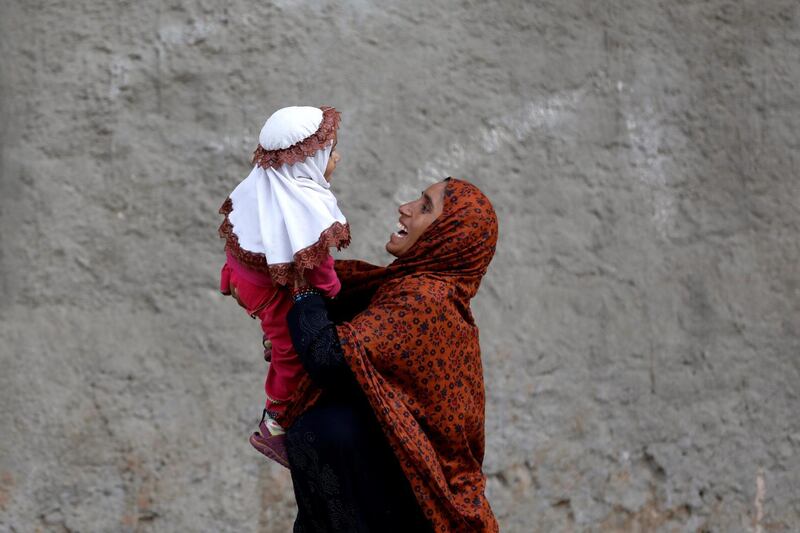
(285, 369)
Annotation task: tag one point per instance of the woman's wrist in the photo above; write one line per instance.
(300, 293)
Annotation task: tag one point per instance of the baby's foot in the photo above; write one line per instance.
(273, 446)
(271, 427)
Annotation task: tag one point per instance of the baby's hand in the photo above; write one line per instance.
(267, 348)
(235, 293)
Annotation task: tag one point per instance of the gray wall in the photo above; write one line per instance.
(640, 323)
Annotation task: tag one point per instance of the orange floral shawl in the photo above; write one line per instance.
(414, 351)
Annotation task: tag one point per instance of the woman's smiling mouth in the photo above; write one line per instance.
(402, 231)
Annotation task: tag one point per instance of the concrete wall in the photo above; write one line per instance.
(640, 323)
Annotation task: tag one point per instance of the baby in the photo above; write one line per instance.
(280, 223)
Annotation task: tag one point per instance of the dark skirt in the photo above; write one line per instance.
(345, 475)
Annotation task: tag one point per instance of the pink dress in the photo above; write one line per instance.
(271, 303)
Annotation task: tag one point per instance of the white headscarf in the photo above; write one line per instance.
(283, 210)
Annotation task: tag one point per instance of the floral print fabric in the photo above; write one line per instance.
(415, 353)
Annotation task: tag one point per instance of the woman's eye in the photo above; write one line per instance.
(426, 207)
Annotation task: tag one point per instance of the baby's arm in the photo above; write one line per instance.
(324, 278)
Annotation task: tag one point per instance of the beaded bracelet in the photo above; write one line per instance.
(304, 293)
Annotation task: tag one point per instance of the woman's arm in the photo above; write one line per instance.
(316, 341)
(359, 281)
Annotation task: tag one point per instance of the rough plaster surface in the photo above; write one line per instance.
(640, 323)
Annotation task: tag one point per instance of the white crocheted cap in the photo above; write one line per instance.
(289, 126)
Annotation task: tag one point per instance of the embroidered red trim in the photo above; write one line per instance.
(303, 149)
(337, 235)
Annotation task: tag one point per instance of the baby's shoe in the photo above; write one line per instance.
(271, 440)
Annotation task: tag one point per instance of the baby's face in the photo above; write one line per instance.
(332, 160)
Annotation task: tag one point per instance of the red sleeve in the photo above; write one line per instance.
(324, 278)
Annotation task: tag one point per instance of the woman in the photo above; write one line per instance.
(395, 438)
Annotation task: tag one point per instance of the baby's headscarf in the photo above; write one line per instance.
(283, 218)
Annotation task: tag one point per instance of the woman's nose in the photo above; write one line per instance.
(404, 210)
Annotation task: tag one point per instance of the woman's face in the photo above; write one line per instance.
(415, 217)
(332, 160)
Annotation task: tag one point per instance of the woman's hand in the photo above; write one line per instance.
(300, 285)
(300, 282)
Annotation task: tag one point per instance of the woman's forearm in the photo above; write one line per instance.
(316, 341)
